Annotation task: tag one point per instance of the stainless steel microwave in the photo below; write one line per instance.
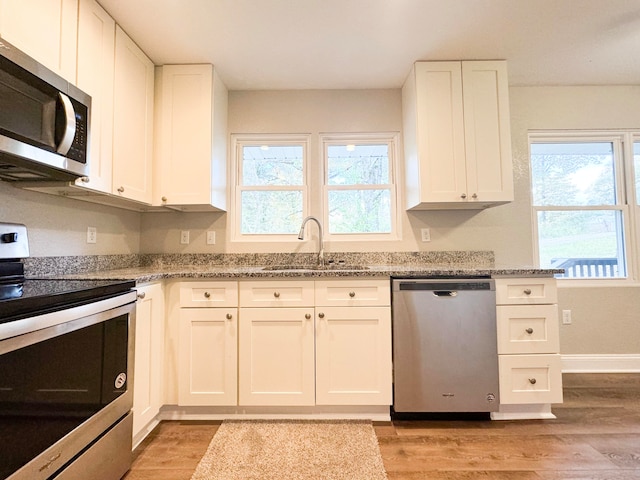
(44, 121)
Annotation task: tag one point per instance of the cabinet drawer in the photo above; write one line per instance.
(530, 379)
(285, 293)
(351, 292)
(528, 329)
(526, 291)
(209, 294)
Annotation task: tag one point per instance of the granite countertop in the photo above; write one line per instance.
(150, 274)
(153, 267)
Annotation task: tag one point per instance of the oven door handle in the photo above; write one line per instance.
(70, 125)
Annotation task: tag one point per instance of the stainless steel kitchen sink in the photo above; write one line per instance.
(330, 266)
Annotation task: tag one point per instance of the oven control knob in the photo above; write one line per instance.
(9, 237)
(121, 379)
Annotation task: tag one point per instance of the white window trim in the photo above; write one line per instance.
(391, 138)
(239, 140)
(625, 194)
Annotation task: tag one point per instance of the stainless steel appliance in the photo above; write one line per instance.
(66, 350)
(44, 121)
(444, 345)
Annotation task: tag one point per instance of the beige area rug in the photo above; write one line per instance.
(292, 450)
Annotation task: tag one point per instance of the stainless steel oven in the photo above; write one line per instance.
(66, 363)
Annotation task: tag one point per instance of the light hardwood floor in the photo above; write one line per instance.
(595, 436)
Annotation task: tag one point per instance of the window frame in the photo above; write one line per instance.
(389, 138)
(238, 141)
(622, 142)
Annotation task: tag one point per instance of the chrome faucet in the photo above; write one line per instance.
(320, 244)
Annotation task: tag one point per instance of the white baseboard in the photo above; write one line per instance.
(629, 363)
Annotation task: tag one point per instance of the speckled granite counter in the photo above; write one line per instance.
(148, 268)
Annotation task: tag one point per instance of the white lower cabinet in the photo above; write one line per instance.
(528, 341)
(353, 356)
(148, 356)
(276, 356)
(208, 343)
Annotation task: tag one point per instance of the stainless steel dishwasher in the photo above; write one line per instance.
(445, 355)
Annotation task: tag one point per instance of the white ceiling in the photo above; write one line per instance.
(328, 44)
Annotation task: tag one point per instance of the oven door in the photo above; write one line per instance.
(63, 386)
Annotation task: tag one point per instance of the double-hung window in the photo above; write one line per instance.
(270, 186)
(359, 186)
(581, 219)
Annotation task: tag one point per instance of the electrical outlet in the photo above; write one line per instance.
(566, 317)
(425, 234)
(92, 235)
(211, 237)
(184, 237)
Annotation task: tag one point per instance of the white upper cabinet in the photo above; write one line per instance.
(457, 135)
(191, 139)
(45, 30)
(133, 121)
(96, 45)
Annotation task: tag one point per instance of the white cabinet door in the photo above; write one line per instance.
(207, 360)
(148, 356)
(353, 356)
(276, 357)
(133, 121)
(45, 30)
(487, 132)
(96, 44)
(457, 135)
(191, 140)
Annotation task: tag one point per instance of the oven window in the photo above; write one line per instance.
(49, 388)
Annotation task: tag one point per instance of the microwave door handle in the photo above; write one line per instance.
(70, 125)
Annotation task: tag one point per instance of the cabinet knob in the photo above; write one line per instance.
(463, 196)
(207, 295)
(307, 316)
(321, 315)
(164, 199)
(352, 294)
(532, 381)
(84, 179)
(276, 294)
(121, 189)
(474, 196)
(229, 316)
(141, 295)
(527, 291)
(529, 330)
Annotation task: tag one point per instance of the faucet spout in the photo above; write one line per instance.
(320, 241)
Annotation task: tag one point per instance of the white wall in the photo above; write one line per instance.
(58, 226)
(605, 320)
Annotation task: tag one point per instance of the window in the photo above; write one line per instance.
(579, 195)
(271, 186)
(348, 182)
(360, 193)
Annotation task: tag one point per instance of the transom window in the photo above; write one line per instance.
(581, 219)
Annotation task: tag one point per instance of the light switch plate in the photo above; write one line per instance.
(211, 237)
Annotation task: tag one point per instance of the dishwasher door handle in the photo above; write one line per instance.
(445, 293)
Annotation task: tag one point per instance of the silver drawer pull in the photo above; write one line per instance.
(352, 294)
(529, 331)
(207, 295)
(276, 294)
(527, 291)
(532, 381)
(141, 295)
(229, 316)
